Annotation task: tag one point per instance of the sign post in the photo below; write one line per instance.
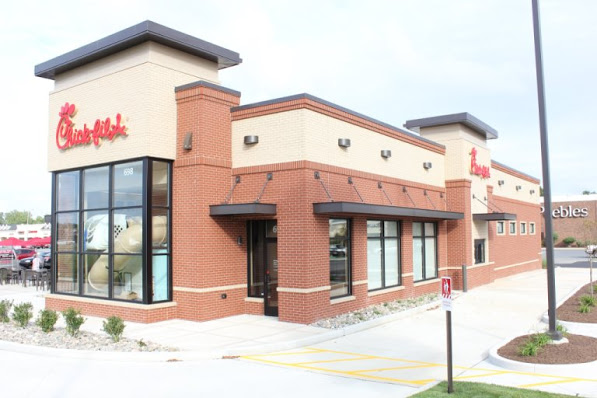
(447, 306)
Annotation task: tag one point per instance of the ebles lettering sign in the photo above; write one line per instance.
(568, 212)
(67, 136)
(477, 169)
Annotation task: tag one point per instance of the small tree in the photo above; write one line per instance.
(22, 314)
(114, 326)
(73, 320)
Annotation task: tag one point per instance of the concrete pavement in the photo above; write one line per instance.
(403, 353)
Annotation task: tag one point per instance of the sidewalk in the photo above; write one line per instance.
(483, 318)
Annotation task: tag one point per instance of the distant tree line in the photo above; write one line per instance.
(20, 217)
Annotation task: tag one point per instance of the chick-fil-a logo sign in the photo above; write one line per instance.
(67, 136)
(477, 169)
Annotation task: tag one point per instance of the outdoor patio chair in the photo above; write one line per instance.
(30, 276)
(43, 280)
(3, 276)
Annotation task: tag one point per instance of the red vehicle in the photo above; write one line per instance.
(24, 253)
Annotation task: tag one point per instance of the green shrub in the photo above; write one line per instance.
(73, 320)
(555, 237)
(532, 346)
(22, 314)
(562, 329)
(541, 339)
(46, 320)
(589, 300)
(529, 349)
(568, 240)
(114, 326)
(5, 306)
(584, 309)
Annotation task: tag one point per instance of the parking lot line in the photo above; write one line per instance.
(371, 367)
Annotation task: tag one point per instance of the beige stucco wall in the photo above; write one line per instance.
(139, 84)
(307, 135)
(508, 189)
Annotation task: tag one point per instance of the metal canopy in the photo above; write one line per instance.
(493, 216)
(242, 209)
(382, 210)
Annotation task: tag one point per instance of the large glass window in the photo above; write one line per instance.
(339, 233)
(383, 254)
(424, 251)
(114, 242)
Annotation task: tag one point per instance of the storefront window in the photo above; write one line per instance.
(67, 191)
(106, 256)
(339, 233)
(383, 254)
(424, 251)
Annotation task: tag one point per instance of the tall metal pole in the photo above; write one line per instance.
(551, 284)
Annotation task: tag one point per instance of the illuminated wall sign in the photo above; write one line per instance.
(477, 169)
(568, 212)
(67, 136)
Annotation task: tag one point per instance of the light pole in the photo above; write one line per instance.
(551, 284)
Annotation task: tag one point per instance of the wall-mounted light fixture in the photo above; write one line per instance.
(251, 139)
(500, 182)
(518, 187)
(386, 153)
(532, 191)
(239, 240)
(344, 142)
(187, 145)
(427, 165)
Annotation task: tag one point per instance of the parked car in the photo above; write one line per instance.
(7, 253)
(26, 263)
(24, 253)
(338, 250)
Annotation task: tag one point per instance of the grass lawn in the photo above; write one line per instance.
(464, 389)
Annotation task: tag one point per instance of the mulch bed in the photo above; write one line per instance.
(568, 311)
(579, 349)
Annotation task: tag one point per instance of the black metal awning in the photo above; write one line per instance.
(383, 210)
(242, 209)
(494, 216)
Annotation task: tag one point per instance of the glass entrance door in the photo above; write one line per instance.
(263, 263)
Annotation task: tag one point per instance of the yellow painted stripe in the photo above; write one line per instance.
(335, 360)
(394, 368)
(279, 354)
(549, 382)
(483, 374)
(386, 358)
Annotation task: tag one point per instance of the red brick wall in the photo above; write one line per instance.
(105, 309)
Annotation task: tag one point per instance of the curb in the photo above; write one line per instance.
(184, 355)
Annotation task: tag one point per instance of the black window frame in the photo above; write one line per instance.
(382, 238)
(347, 258)
(479, 247)
(146, 209)
(424, 249)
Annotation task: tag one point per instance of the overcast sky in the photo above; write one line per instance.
(391, 60)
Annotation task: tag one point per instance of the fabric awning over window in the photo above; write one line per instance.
(242, 209)
(383, 210)
(494, 216)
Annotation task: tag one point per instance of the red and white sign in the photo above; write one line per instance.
(446, 293)
(477, 169)
(68, 136)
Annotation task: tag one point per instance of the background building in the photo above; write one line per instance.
(573, 217)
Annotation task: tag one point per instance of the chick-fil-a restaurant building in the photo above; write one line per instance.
(173, 200)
